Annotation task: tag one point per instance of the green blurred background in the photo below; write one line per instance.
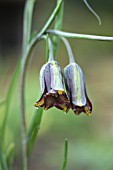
(90, 138)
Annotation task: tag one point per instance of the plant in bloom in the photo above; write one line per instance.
(52, 85)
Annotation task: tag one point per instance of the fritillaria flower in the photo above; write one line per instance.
(75, 85)
(52, 87)
(76, 89)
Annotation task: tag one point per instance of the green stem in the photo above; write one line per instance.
(24, 63)
(47, 48)
(51, 57)
(58, 26)
(27, 22)
(65, 155)
(80, 36)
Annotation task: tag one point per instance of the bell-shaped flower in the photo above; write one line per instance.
(52, 87)
(75, 84)
(76, 89)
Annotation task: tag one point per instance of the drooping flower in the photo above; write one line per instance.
(52, 87)
(76, 89)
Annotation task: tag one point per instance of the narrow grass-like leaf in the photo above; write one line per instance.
(9, 97)
(10, 153)
(93, 12)
(33, 138)
(47, 48)
(34, 128)
(3, 161)
(58, 26)
(64, 163)
(28, 13)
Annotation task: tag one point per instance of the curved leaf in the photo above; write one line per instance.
(33, 128)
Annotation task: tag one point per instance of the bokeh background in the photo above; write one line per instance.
(90, 138)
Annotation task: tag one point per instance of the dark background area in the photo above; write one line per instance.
(11, 13)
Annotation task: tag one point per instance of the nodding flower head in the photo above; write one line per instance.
(76, 89)
(52, 87)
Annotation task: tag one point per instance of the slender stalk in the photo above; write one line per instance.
(27, 24)
(22, 104)
(47, 47)
(80, 36)
(50, 50)
(69, 50)
(64, 163)
(58, 26)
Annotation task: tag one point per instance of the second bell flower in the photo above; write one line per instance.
(76, 89)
